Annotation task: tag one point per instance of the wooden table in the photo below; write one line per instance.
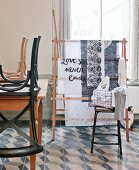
(16, 103)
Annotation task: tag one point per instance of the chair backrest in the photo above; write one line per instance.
(20, 72)
(34, 63)
(22, 62)
(23, 48)
(14, 87)
(32, 76)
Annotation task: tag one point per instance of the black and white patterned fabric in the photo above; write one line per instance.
(80, 71)
(101, 60)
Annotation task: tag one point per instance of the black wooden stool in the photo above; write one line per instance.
(97, 111)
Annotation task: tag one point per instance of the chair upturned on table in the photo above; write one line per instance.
(20, 72)
(25, 93)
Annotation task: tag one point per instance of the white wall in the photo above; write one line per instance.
(28, 18)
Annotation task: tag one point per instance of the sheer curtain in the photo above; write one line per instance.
(62, 13)
(134, 40)
(131, 33)
(64, 21)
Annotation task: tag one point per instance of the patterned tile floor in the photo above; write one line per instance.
(71, 150)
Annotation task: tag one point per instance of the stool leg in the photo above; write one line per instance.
(93, 132)
(119, 136)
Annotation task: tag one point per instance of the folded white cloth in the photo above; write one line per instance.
(122, 72)
(119, 102)
(104, 84)
(122, 89)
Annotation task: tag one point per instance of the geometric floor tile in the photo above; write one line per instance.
(71, 150)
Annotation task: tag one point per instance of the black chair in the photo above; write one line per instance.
(28, 87)
(99, 109)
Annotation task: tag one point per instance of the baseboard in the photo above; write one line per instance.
(136, 116)
(45, 76)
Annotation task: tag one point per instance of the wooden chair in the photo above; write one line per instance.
(20, 73)
(30, 88)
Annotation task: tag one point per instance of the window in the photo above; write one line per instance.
(85, 20)
(106, 20)
(96, 19)
(103, 19)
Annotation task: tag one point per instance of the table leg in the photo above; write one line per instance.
(39, 120)
(32, 157)
(127, 124)
(53, 127)
(33, 162)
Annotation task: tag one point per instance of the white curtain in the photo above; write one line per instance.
(62, 16)
(134, 40)
(64, 22)
(62, 13)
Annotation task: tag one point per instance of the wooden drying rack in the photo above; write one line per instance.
(20, 73)
(56, 56)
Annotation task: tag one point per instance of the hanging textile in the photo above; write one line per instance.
(101, 60)
(80, 71)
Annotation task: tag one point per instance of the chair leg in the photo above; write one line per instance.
(93, 132)
(119, 136)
